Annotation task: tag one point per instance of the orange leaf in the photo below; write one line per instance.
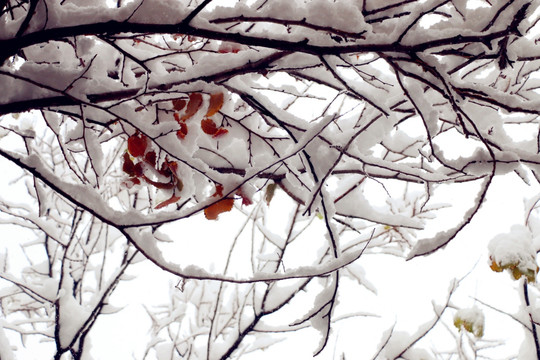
(495, 267)
(183, 130)
(195, 102)
(137, 144)
(219, 132)
(178, 104)
(209, 126)
(216, 102)
(212, 212)
(169, 201)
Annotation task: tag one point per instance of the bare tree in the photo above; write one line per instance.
(143, 115)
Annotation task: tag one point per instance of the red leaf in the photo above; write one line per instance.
(158, 184)
(150, 158)
(245, 199)
(177, 118)
(216, 102)
(168, 168)
(131, 182)
(183, 130)
(227, 47)
(165, 171)
(219, 191)
(128, 167)
(137, 144)
(173, 165)
(208, 126)
(195, 102)
(219, 132)
(138, 169)
(178, 104)
(212, 212)
(169, 201)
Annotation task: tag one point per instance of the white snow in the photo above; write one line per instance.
(256, 145)
(6, 351)
(473, 317)
(515, 247)
(72, 316)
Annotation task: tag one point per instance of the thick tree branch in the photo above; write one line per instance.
(10, 47)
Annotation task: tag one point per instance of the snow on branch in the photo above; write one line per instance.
(131, 120)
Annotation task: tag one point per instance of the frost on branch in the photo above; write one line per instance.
(349, 116)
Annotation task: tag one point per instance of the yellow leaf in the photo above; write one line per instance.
(270, 191)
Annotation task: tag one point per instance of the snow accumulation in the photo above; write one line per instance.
(72, 316)
(362, 208)
(341, 14)
(514, 248)
(6, 352)
(472, 319)
(442, 238)
(145, 241)
(159, 12)
(315, 154)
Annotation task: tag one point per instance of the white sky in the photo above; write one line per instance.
(405, 289)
